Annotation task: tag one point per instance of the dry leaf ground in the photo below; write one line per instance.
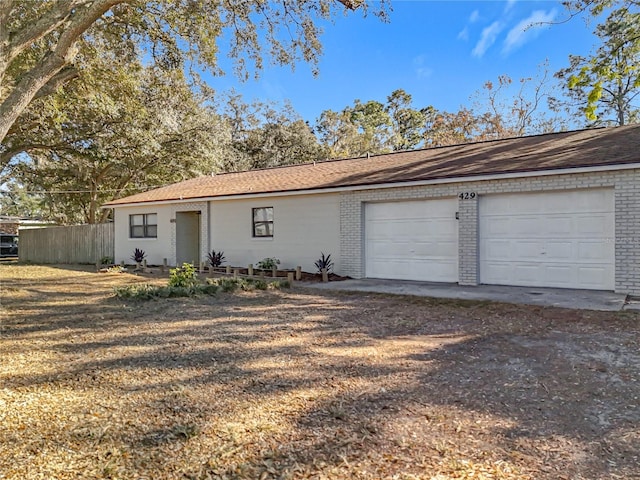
(299, 384)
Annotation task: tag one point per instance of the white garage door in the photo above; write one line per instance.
(412, 240)
(555, 239)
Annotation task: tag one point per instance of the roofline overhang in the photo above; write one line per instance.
(374, 186)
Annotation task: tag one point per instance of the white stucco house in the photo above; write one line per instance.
(554, 210)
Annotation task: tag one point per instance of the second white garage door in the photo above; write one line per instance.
(415, 240)
(555, 239)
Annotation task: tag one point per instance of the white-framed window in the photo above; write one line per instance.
(143, 225)
(262, 218)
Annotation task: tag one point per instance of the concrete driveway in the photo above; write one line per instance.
(554, 297)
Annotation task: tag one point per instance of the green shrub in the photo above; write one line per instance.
(148, 292)
(184, 276)
(106, 260)
(261, 284)
(268, 263)
(139, 291)
(228, 284)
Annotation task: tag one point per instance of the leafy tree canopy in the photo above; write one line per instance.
(39, 41)
(605, 86)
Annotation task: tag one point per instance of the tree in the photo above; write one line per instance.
(17, 201)
(606, 85)
(39, 40)
(122, 128)
(262, 136)
(371, 127)
(338, 134)
(407, 123)
(502, 112)
(444, 128)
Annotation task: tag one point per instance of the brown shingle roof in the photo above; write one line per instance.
(584, 148)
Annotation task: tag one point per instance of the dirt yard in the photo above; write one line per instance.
(301, 384)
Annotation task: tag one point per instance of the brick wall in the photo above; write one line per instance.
(626, 184)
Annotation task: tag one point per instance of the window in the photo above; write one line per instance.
(263, 222)
(144, 225)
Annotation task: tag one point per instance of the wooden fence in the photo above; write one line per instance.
(75, 244)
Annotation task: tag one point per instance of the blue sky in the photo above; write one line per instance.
(440, 52)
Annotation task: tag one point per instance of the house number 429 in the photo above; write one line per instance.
(467, 195)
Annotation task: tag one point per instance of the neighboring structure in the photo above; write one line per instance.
(554, 210)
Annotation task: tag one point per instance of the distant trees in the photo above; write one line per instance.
(374, 127)
(261, 136)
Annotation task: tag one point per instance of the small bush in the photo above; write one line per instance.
(106, 260)
(261, 284)
(216, 259)
(116, 269)
(184, 276)
(324, 263)
(268, 263)
(138, 255)
(228, 284)
(148, 292)
(139, 291)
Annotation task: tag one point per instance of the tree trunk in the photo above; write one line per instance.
(46, 69)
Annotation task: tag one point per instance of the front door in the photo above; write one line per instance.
(188, 238)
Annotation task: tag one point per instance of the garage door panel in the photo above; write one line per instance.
(416, 240)
(594, 275)
(558, 251)
(557, 275)
(556, 224)
(593, 251)
(524, 249)
(497, 225)
(599, 224)
(555, 239)
(496, 249)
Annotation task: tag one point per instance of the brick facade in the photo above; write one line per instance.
(626, 185)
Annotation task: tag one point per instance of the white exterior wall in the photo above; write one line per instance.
(303, 227)
(156, 248)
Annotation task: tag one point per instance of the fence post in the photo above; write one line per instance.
(298, 273)
(201, 267)
(274, 271)
(236, 272)
(290, 278)
(250, 270)
(228, 269)
(325, 275)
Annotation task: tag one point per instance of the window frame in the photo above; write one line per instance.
(146, 225)
(269, 224)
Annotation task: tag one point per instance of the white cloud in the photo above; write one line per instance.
(488, 38)
(509, 5)
(420, 67)
(464, 34)
(474, 17)
(527, 29)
